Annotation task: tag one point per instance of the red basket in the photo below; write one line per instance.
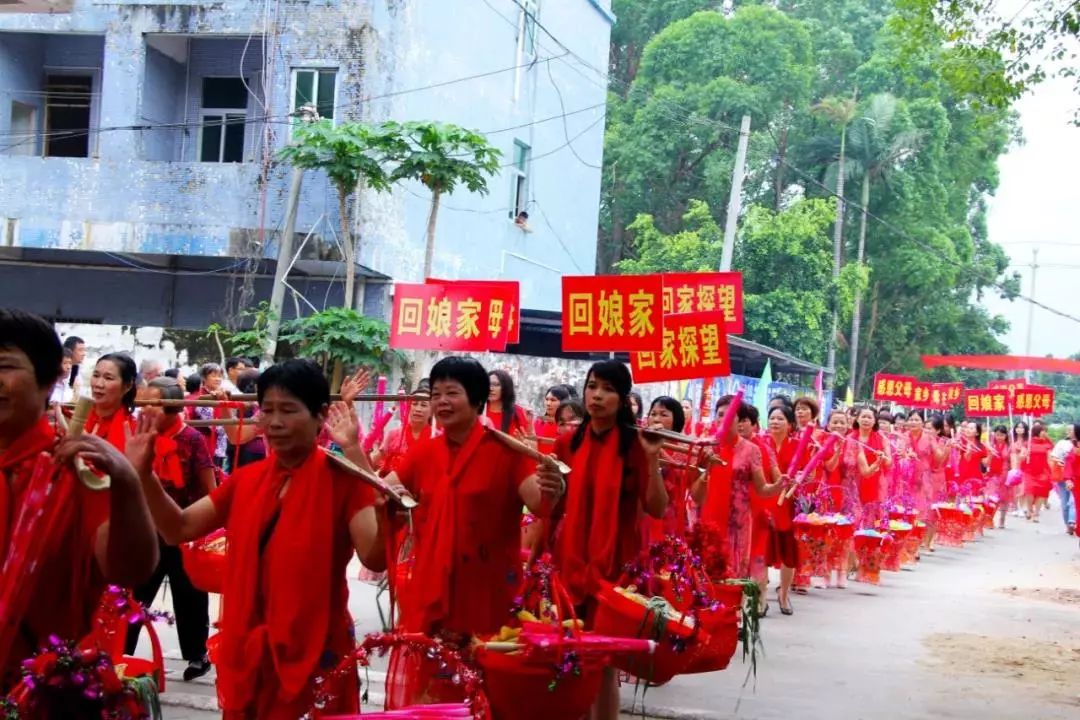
(990, 509)
(894, 551)
(975, 523)
(839, 544)
(952, 525)
(620, 616)
(518, 690)
(870, 552)
(909, 554)
(205, 567)
(720, 630)
(814, 541)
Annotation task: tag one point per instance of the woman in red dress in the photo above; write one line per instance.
(546, 427)
(997, 470)
(112, 388)
(293, 520)
(775, 521)
(666, 413)
(416, 426)
(874, 459)
(971, 454)
(502, 408)
(615, 478)
(1036, 468)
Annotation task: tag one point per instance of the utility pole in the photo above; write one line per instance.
(735, 199)
(1031, 308)
(838, 245)
(307, 114)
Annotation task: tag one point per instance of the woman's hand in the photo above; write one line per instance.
(550, 480)
(352, 386)
(343, 425)
(651, 444)
(139, 447)
(100, 453)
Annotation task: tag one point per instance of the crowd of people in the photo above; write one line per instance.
(272, 474)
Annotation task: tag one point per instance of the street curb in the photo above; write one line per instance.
(660, 712)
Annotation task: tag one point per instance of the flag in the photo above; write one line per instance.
(761, 393)
(849, 397)
(819, 390)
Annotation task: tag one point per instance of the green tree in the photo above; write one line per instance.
(338, 337)
(442, 157)
(353, 155)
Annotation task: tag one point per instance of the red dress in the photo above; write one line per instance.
(519, 422)
(69, 583)
(774, 521)
(1037, 468)
(969, 467)
(600, 529)
(870, 486)
(396, 446)
(468, 533)
(285, 616)
(727, 506)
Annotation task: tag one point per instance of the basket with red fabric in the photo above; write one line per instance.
(204, 561)
(841, 532)
(975, 522)
(442, 658)
(952, 523)
(814, 537)
(870, 550)
(990, 507)
(895, 557)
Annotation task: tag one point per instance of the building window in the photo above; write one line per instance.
(519, 184)
(224, 117)
(316, 87)
(526, 40)
(67, 115)
(23, 129)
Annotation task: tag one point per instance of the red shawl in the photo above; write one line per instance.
(589, 539)
(717, 505)
(112, 427)
(285, 615)
(428, 601)
(167, 457)
(38, 439)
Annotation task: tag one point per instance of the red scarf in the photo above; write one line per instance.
(428, 603)
(111, 428)
(588, 541)
(38, 439)
(167, 455)
(290, 622)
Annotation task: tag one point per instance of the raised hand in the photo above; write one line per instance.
(139, 446)
(343, 425)
(353, 385)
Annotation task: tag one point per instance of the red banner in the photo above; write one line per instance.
(695, 346)
(1003, 363)
(1011, 385)
(897, 388)
(921, 394)
(953, 391)
(1034, 400)
(512, 288)
(612, 313)
(457, 316)
(706, 292)
(986, 403)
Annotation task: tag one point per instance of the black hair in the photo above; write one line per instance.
(1021, 424)
(917, 411)
(73, 341)
(559, 392)
(302, 379)
(789, 415)
(67, 354)
(128, 372)
(571, 391)
(234, 361)
(634, 395)
(978, 434)
(1037, 428)
(33, 335)
(937, 421)
(618, 375)
(784, 400)
(748, 412)
(193, 382)
(173, 373)
(722, 401)
(170, 390)
(885, 415)
(247, 381)
(1002, 429)
(467, 371)
(508, 397)
(898, 416)
(575, 406)
(859, 410)
(1076, 433)
(678, 417)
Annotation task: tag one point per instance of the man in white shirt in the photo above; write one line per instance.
(1058, 456)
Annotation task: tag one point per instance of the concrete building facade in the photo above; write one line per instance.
(138, 143)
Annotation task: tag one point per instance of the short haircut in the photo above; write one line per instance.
(207, 368)
(573, 405)
(193, 382)
(559, 392)
(170, 390)
(126, 366)
(467, 371)
(810, 403)
(234, 361)
(35, 336)
(722, 401)
(678, 416)
(302, 379)
(747, 411)
(247, 381)
(173, 373)
(68, 354)
(73, 341)
(789, 414)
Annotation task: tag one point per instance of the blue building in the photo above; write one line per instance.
(138, 184)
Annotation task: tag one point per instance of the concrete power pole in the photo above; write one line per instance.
(285, 251)
(1031, 308)
(735, 199)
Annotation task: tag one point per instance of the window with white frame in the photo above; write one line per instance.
(224, 119)
(316, 87)
(519, 180)
(526, 40)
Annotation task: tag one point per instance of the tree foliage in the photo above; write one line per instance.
(342, 335)
(805, 71)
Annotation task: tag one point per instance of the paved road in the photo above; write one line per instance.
(943, 641)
